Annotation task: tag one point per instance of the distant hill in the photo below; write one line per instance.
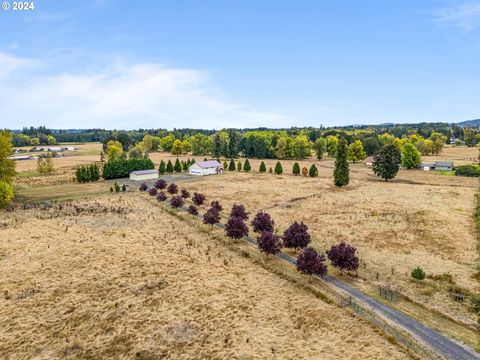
(469, 123)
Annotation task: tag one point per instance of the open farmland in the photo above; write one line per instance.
(118, 277)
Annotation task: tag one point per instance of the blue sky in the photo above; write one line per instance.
(214, 64)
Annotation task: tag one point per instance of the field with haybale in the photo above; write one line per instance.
(120, 277)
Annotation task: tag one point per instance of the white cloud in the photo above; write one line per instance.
(119, 96)
(465, 15)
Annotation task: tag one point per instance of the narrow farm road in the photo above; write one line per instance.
(439, 343)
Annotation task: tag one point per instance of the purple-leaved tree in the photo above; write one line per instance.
(296, 236)
(212, 216)
(143, 187)
(192, 210)
(269, 243)
(238, 211)
(198, 199)
(160, 184)
(172, 188)
(262, 222)
(184, 194)
(215, 204)
(161, 196)
(152, 191)
(311, 263)
(343, 256)
(236, 228)
(176, 201)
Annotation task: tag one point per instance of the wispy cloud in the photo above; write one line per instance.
(147, 95)
(465, 15)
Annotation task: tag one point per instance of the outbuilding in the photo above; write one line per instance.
(209, 167)
(144, 175)
(444, 165)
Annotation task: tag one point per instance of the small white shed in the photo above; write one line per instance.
(205, 168)
(144, 175)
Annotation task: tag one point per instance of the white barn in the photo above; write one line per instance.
(144, 175)
(205, 168)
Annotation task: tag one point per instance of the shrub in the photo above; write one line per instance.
(87, 173)
(169, 166)
(247, 166)
(296, 236)
(162, 167)
(270, 170)
(6, 193)
(192, 210)
(172, 188)
(160, 184)
(341, 173)
(192, 161)
(198, 199)
(225, 165)
(45, 165)
(176, 202)
(311, 263)
(124, 187)
(161, 196)
(343, 256)
(177, 167)
(212, 216)
(467, 170)
(262, 167)
(116, 187)
(120, 168)
(313, 172)
(296, 169)
(152, 191)
(143, 187)
(231, 166)
(418, 274)
(216, 205)
(475, 303)
(278, 168)
(111, 189)
(269, 243)
(262, 222)
(236, 228)
(239, 165)
(184, 194)
(238, 210)
(304, 171)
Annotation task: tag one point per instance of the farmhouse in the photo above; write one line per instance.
(144, 175)
(205, 168)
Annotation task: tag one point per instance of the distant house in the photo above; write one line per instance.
(437, 165)
(205, 168)
(144, 175)
(25, 157)
(369, 161)
(70, 148)
(55, 149)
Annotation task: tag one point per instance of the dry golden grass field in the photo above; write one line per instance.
(119, 277)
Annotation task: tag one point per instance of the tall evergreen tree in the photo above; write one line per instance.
(296, 169)
(231, 166)
(162, 168)
(169, 166)
(247, 167)
(178, 166)
(233, 143)
(278, 168)
(341, 174)
(262, 168)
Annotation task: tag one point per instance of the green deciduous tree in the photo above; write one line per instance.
(355, 151)
(386, 162)
(320, 146)
(177, 147)
(341, 173)
(7, 166)
(410, 156)
(6, 193)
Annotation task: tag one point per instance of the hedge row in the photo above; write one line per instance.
(87, 173)
(123, 167)
(467, 170)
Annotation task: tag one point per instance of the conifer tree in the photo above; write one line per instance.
(178, 166)
(341, 174)
(262, 168)
(239, 165)
(278, 168)
(162, 168)
(231, 166)
(169, 166)
(313, 172)
(247, 166)
(296, 169)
